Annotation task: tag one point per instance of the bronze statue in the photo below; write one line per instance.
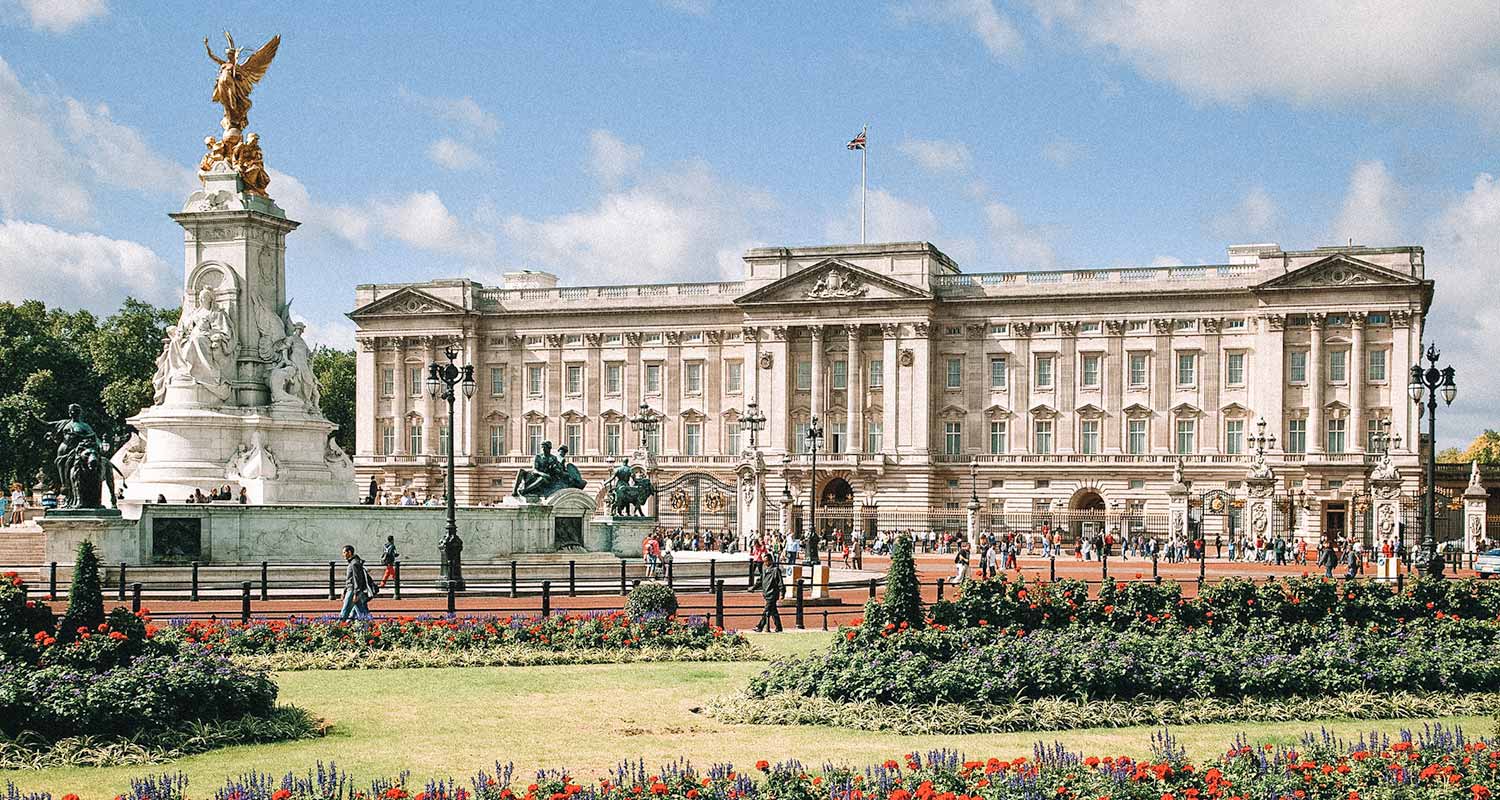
(629, 491)
(83, 466)
(236, 78)
(548, 474)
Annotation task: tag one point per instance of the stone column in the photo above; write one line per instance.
(1356, 374)
(553, 405)
(889, 397)
(1260, 506)
(713, 395)
(1267, 366)
(671, 395)
(1211, 386)
(1065, 378)
(1476, 501)
(367, 399)
(815, 402)
(1115, 375)
(471, 404)
(750, 372)
(1163, 364)
(515, 391)
(429, 403)
(1020, 388)
(1316, 438)
(401, 396)
(854, 392)
(777, 405)
(1403, 419)
(593, 396)
(751, 496)
(921, 389)
(973, 526)
(1177, 506)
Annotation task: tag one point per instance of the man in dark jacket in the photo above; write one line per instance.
(356, 587)
(771, 587)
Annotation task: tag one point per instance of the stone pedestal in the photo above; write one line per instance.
(1385, 505)
(1177, 510)
(972, 522)
(1260, 506)
(1476, 502)
(619, 535)
(751, 495)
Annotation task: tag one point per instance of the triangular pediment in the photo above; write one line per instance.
(997, 410)
(1234, 410)
(405, 302)
(1136, 410)
(833, 280)
(1187, 410)
(1338, 271)
(1089, 410)
(1043, 411)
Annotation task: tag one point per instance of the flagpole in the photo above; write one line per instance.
(863, 154)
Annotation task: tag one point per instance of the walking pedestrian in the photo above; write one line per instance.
(388, 557)
(357, 588)
(771, 588)
(961, 563)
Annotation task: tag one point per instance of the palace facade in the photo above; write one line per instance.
(1056, 396)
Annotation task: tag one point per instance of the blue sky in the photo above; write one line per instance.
(656, 141)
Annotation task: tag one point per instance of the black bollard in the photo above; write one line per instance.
(669, 574)
(546, 598)
(122, 581)
(872, 588)
(194, 596)
(397, 577)
(940, 582)
(332, 580)
(719, 604)
(623, 591)
(1155, 575)
(1052, 569)
(513, 591)
(797, 593)
(452, 587)
(712, 574)
(572, 578)
(135, 598)
(1104, 565)
(245, 602)
(52, 582)
(265, 583)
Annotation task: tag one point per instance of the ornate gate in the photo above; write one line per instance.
(696, 501)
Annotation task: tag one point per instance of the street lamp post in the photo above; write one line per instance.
(645, 423)
(814, 438)
(1427, 382)
(754, 421)
(1261, 440)
(442, 380)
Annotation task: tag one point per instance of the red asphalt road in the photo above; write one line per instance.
(742, 608)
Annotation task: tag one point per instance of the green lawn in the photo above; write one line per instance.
(454, 721)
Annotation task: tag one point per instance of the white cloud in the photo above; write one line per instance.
(1016, 244)
(891, 219)
(450, 154)
(337, 333)
(422, 220)
(1252, 216)
(994, 30)
(1061, 152)
(118, 155)
(61, 16)
(345, 222)
(1167, 261)
(677, 225)
(461, 111)
(38, 176)
(1306, 51)
(78, 269)
(612, 160)
(1370, 209)
(1462, 242)
(937, 155)
(698, 8)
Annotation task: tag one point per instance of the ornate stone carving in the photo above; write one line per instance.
(1067, 328)
(201, 347)
(367, 344)
(1258, 521)
(593, 340)
(674, 338)
(907, 357)
(976, 330)
(714, 337)
(816, 332)
(1211, 324)
(1163, 326)
(1021, 330)
(1275, 322)
(1317, 320)
(555, 340)
(750, 334)
(890, 330)
(780, 332)
(291, 380)
(633, 339)
(1114, 327)
(836, 284)
(1357, 319)
(1401, 319)
(765, 360)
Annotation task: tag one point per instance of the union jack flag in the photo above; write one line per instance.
(858, 142)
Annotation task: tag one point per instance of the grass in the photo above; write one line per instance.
(587, 718)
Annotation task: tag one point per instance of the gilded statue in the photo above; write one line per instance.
(252, 165)
(236, 78)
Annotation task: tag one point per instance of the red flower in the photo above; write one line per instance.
(75, 797)
(762, 765)
(279, 794)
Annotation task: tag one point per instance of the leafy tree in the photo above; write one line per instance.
(903, 594)
(334, 369)
(1451, 455)
(85, 596)
(124, 350)
(1485, 448)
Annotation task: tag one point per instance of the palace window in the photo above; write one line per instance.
(799, 437)
(1378, 318)
(535, 378)
(955, 373)
(692, 377)
(1044, 372)
(1135, 437)
(1296, 436)
(1296, 366)
(1372, 433)
(414, 381)
(1375, 369)
(1336, 430)
(651, 338)
(1090, 370)
(804, 376)
(732, 437)
(873, 437)
(838, 437)
(614, 374)
(877, 373)
(414, 438)
(1042, 434)
(1234, 369)
(999, 436)
(387, 437)
(653, 441)
(497, 381)
(953, 438)
(445, 438)
(1088, 431)
(1234, 324)
(692, 439)
(734, 372)
(533, 438)
(997, 372)
(575, 380)
(1338, 365)
(653, 379)
(613, 438)
(841, 374)
(613, 339)
(1187, 369)
(1234, 436)
(1187, 435)
(497, 440)
(388, 382)
(1137, 370)
(573, 437)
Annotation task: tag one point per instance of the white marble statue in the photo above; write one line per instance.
(292, 380)
(338, 461)
(255, 462)
(202, 351)
(163, 374)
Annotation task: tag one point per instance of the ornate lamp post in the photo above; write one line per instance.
(442, 379)
(814, 438)
(1427, 382)
(646, 423)
(1260, 440)
(973, 532)
(754, 422)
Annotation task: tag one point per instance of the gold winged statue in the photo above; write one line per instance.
(236, 78)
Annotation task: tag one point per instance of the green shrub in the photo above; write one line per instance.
(651, 599)
(85, 597)
(903, 594)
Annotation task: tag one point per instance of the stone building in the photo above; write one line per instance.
(1057, 397)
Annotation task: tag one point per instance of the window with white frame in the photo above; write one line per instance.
(1296, 366)
(414, 381)
(998, 370)
(536, 376)
(497, 381)
(734, 376)
(1090, 371)
(614, 438)
(1088, 437)
(876, 373)
(999, 436)
(692, 439)
(955, 373)
(533, 438)
(573, 438)
(1044, 372)
(799, 437)
(614, 378)
(1234, 369)
(445, 437)
(804, 376)
(1187, 369)
(414, 438)
(732, 437)
(613, 339)
(652, 338)
(575, 380)
(1337, 427)
(387, 437)
(1375, 366)
(1135, 437)
(953, 438)
(692, 377)
(1041, 435)
(653, 441)
(1372, 433)
(653, 378)
(1338, 366)
(497, 440)
(874, 436)
(1137, 370)
(1187, 436)
(388, 382)
(838, 437)
(1234, 436)
(840, 374)
(1296, 436)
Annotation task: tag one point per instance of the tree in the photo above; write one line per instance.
(903, 594)
(335, 372)
(85, 597)
(1485, 448)
(124, 351)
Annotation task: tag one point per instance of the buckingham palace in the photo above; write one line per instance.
(1068, 396)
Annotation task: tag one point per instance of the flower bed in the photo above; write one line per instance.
(1436, 764)
(323, 643)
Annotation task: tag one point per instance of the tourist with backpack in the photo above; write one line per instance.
(358, 588)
